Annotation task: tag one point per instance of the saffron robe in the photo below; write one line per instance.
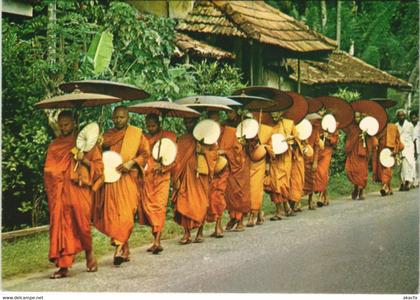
(281, 165)
(258, 170)
(155, 191)
(190, 189)
(231, 148)
(116, 203)
(237, 195)
(313, 141)
(322, 173)
(357, 159)
(69, 199)
(388, 138)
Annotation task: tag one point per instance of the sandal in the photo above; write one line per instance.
(157, 249)
(275, 218)
(118, 259)
(231, 224)
(219, 235)
(290, 213)
(250, 224)
(319, 204)
(198, 240)
(92, 266)
(61, 273)
(185, 241)
(151, 249)
(240, 228)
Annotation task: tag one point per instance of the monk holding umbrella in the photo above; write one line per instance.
(336, 114)
(157, 176)
(369, 119)
(245, 188)
(72, 168)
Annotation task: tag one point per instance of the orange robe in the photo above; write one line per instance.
(389, 138)
(281, 165)
(257, 170)
(69, 199)
(229, 144)
(191, 190)
(238, 198)
(297, 178)
(155, 191)
(116, 203)
(357, 156)
(314, 142)
(322, 173)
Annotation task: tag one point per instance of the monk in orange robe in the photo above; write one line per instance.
(68, 182)
(116, 203)
(280, 173)
(358, 149)
(388, 138)
(237, 195)
(156, 181)
(257, 173)
(191, 184)
(230, 149)
(323, 165)
(311, 163)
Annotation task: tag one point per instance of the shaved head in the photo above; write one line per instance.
(120, 117)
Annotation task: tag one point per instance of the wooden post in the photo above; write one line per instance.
(338, 29)
(299, 76)
(251, 62)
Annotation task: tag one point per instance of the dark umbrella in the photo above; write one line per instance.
(207, 102)
(77, 100)
(298, 110)
(339, 108)
(165, 109)
(385, 103)
(261, 98)
(373, 109)
(116, 89)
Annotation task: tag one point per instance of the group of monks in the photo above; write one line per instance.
(200, 190)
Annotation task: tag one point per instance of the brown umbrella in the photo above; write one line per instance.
(164, 108)
(339, 108)
(77, 100)
(385, 103)
(262, 98)
(373, 109)
(299, 108)
(207, 102)
(116, 89)
(314, 105)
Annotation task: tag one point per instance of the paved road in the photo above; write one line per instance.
(366, 246)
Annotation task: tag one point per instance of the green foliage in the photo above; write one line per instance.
(39, 54)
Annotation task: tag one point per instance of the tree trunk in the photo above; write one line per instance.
(338, 30)
(51, 35)
(323, 15)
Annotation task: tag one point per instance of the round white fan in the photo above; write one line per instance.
(167, 152)
(87, 137)
(111, 160)
(207, 131)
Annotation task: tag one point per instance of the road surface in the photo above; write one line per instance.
(350, 246)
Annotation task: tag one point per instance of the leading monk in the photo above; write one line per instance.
(69, 176)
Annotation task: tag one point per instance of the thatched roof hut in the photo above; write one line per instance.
(343, 68)
(257, 21)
